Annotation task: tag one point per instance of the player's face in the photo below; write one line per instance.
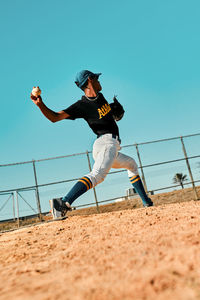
(96, 84)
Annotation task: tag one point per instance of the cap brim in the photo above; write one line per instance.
(97, 74)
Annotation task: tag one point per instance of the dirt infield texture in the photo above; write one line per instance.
(144, 253)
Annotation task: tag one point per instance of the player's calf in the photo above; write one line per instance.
(82, 186)
(138, 185)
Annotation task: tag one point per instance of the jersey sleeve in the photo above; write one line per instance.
(74, 111)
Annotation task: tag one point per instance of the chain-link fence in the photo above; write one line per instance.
(164, 165)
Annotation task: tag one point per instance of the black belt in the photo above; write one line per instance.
(114, 136)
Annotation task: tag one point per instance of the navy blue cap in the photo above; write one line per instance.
(82, 77)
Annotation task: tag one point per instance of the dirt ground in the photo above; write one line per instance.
(145, 253)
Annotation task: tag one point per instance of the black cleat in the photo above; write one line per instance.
(148, 203)
(59, 208)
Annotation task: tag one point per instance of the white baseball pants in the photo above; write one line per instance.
(106, 155)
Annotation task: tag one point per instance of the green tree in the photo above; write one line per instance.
(180, 178)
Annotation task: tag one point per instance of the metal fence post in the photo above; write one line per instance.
(95, 195)
(189, 169)
(140, 162)
(37, 192)
(17, 205)
(13, 200)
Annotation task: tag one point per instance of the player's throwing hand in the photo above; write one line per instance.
(35, 95)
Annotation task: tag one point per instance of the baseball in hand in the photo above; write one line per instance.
(36, 91)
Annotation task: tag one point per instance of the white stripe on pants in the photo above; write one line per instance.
(106, 156)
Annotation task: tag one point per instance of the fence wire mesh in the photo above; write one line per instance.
(27, 187)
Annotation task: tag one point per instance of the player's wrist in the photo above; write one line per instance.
(39, 102)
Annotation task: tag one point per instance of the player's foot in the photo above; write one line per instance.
(148, 203)
(59, 208)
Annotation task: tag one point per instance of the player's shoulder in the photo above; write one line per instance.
(101, 95)
(78, 102)
(102, 98)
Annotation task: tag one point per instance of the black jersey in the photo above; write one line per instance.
(97, 113)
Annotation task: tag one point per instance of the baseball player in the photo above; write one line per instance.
(101, 117)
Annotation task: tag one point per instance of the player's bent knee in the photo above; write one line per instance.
(97, 178)
(133, 166)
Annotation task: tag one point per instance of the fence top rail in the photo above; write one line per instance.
(162, 140)
(42, 159)
(82, 153)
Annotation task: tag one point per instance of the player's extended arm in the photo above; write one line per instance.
(47, 112)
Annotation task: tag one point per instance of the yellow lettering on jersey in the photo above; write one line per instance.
(104, 110)
(100, 113)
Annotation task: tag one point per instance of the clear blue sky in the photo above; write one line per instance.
(147, 51)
